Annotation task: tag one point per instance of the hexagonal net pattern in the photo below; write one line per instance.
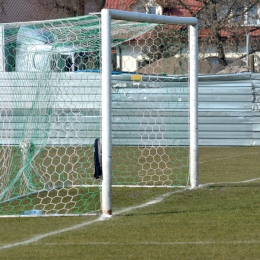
(50, 114)
(150, 109)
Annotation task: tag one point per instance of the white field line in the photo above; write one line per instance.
(229, 157)
(233, 182)
(159, 243)
(87, 223)
(125, 210)
(101, 218)
(53, 233)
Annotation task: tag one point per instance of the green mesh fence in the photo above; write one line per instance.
(50, 116)
(50, 104)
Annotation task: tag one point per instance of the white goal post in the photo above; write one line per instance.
(106, 16)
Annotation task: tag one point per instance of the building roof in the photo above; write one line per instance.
(173, 8)
(32, 10)
(124, 5)
(25, 10)
(229, 32)
(188, 8)
(16, 11)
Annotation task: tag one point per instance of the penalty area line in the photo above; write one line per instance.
(53, 233)
(101, 218)
(159, 243)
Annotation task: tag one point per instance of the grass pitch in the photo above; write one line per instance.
(219, 220)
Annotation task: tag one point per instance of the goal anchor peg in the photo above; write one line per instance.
(97, 158)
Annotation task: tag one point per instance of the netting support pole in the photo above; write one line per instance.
(193, 168)
(106, 198)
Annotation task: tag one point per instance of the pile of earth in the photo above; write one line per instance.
(173, 65)
(237, 66)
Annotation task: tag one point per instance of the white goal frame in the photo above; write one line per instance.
(106, 16)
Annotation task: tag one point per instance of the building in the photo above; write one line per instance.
(131, 58)
(248, 26)
(32, 10)
(124, 56)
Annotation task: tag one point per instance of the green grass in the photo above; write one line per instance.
(217, 221)
(228, 164)
(52, 180)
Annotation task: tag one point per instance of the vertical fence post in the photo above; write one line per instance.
(106, 198)
(193, 106)
(252, 62)
(247, 48)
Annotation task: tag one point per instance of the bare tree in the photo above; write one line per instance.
(222, 23)
(164, 42)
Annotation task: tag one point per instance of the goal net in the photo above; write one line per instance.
(52, 111)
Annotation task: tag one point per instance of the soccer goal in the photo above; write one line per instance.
(149, 126)
(94, 102)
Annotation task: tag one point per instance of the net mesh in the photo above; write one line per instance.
(150, 110)
(51, 111)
